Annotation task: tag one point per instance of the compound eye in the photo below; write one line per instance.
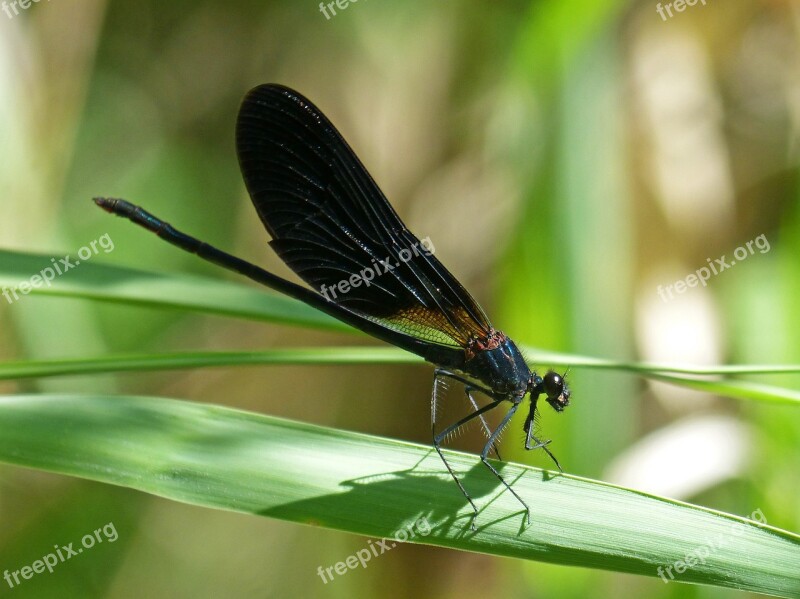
(556, 390)
(553, 384)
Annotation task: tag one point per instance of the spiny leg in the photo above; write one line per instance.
(439, 451)
(469, 387)
(437, 439)
(442, 372)
(485, 452)
(487, 430)
(539, 444)
(542, 445)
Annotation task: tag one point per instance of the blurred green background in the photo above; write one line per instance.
(566, 157)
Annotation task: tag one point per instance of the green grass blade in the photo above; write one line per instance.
(568, 360)
(384, 355)
(116, 284)
(736, 389)
(688, 376)
(179, 360)
(93, 280)
(233, 460)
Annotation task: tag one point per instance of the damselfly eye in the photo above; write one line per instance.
(556, 390)
(553, 384)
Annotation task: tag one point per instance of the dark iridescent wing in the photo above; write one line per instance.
(329, 221)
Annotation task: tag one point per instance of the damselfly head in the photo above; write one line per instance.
(556, 390)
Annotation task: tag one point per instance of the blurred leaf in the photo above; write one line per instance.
(684, 376)
(233, 460)
(117, 284)
(78, 510)
(552, 34)
(110, 283)
(316, 355)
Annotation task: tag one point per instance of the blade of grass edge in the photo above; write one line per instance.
(377, 355)
(108, 283)
(229, 459)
